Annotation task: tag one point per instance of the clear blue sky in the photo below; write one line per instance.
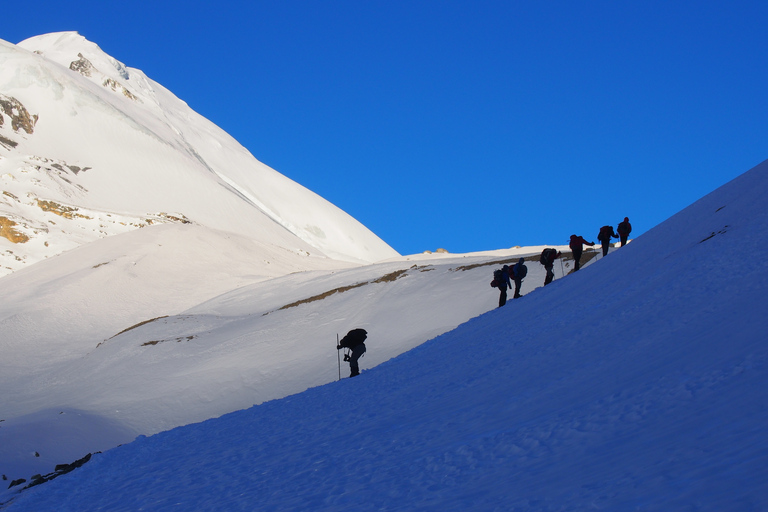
(466, 125)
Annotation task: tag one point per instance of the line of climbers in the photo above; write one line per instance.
(353, 342)
(503, 277)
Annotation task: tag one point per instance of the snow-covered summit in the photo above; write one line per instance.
(91, 148)
(91, 61)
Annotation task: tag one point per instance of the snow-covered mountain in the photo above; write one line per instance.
(637, 383)
(121, 206)
(91, 148)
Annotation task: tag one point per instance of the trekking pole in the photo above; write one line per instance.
(338, 357)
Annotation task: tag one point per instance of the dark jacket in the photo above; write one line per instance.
(353, 338)
(517, 272)
(505, 270)
(625, 228)
(606, 233)
(551, 257)
(578, 242)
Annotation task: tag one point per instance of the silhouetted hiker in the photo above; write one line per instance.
(519, 271)
(353, 341)
(547, 258)
(502, 282)
(624, 229)
(605, 235)
(577, 246)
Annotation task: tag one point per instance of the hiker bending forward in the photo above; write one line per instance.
(547, 258)
(353, 341)
(519, 271)
(605, 235)
(503, 282)
(577, 246)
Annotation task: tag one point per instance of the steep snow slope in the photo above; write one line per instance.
(80, 340)
(639, 383)
(90, 148)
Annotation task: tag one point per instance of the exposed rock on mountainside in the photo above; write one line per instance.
(82, 66)
(18, 114)
(8, 231)
(66, 107)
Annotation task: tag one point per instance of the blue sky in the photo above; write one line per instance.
(468, 125)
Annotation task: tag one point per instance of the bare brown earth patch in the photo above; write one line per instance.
(566, 256)
(387, 278)
(391, 277)
(7, 231)
(145, 322)
(495, 262)
(177, 340)
(323, 295)
(68, 212)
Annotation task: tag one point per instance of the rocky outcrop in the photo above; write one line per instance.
(118, 87)
(82, 66)
(61, 469)
(18, 114)
(5, 141)
(68, 212)
(86, 68)
(8, 231)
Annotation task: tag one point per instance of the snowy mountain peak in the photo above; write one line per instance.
(71, 50)
(90, 148)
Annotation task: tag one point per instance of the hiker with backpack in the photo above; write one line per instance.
(354, 342)
(605, 235)
(625, 228)
(502, 282)
(547, 258)
(519, 271)
(577, 247)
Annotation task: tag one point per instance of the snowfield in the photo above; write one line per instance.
(172, 306)
(637, 383)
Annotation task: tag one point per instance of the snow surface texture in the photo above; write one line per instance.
(638, 383)
(91, 148)
(84, 365)
(65, 349)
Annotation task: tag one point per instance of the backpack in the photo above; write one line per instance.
(605, 233)
(522, 271)
(546, 258)
(624, 228)
(354, 338)
(498, 278)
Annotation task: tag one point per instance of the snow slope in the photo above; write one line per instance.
(90, 148)
(638, 383)
(120, 205)
(78, 340)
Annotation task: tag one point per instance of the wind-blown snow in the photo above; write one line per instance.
(637, 383)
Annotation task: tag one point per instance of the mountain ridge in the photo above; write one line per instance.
(107, 139)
